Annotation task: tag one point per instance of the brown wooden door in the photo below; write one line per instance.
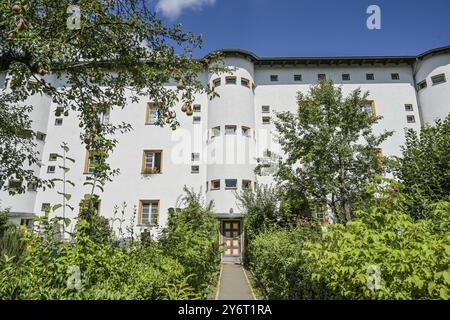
(232, 238)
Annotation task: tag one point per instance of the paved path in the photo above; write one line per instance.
(234, 284)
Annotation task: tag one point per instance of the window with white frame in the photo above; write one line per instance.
(297, 77)
(215, 132)
(395, 76)
(245, 82)
(40, 136)
(197, 120)
(195, 157)
(230, 80)
(370, 76)
(58, 122)
(274, 78)
(411, 119)
(409, 108)
(440, 78)
(266, 120)
(195, 169)
(51, 169)
(346, 76)
(422, 85)
(265, 109)
(197, 108)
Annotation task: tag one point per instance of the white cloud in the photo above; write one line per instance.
(174, 8)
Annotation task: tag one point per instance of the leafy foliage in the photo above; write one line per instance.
(192, 238)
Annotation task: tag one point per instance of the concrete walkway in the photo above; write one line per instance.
(233, 283)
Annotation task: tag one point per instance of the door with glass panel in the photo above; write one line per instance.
(232, 238)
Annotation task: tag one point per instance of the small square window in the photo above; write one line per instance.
(321, 76)
(245, 82)
(231, 184)
(370, 76)
(53, 157)
(45, 207)
(409, 107)
(40, 136)
(395, 76)
(215, 185)
(266, 120)
(51, 169)
(196, 120)
(297, 77)
(195, 157)
(197, 108)
(274, 78)
(215, 132)
(346, 76)
(152, 162)
(230, 130)
(411, 119)
(440, 78)
(422, 85)
(195, 169)
(217, 83)
(246, 185)
(246, 132)
(230, 80)
(265, 109)
(58, 122)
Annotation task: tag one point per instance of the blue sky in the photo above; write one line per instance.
(312, 27)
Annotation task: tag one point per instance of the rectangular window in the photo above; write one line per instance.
(409, 107)
(26, 223)
(422, 85)
(149, 212)
(45, 207)
(395, 76)
(321, 76)
(231, 184)
(195, 157)
(58, 122)
(196, 120)
(245, 82)
(151, 117)
(274, 78)
(230, 130)
(266, 120)
(217, 83)
(90, 162)
(370, 76)
(197, 108)
(346, 76)
(440, 78)
(53, 157)
(195, 169)
(215, 185)
(31, 186)
(265, 109)
(246, 132)
(230, 80)
(40, 136)
(152, 162)
(51, 169)
(297, 77)
(215, 132)
(14, 185)
(411, 119)
(246, 185)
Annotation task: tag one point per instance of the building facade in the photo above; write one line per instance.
(215, 151)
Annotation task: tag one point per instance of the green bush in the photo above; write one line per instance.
(412, 258)
(191, 237)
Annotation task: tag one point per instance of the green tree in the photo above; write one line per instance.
(120, 51)
(331, 151)
(424, 167)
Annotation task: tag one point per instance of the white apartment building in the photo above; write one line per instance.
(214, 151)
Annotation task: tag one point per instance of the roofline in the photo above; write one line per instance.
(330, 59)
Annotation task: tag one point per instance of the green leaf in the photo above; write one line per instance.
(56, 207)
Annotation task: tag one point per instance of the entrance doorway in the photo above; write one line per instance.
(231, 235)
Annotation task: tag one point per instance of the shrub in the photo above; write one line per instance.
(191, 237)
(412, 258)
